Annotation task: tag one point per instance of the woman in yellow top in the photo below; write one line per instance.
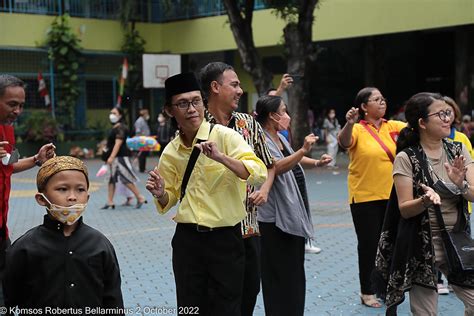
(456, 123)
(371, 143)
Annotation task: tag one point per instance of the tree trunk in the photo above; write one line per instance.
(297, 93)
(241, 26)
(301, 52)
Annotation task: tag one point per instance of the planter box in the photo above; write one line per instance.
(28, 149)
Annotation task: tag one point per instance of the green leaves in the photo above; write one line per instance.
(65, 50)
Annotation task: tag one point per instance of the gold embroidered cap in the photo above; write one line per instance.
(58, 164)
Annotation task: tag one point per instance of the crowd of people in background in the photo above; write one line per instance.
(243, 212)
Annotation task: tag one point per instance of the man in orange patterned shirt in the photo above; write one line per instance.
(222, 89)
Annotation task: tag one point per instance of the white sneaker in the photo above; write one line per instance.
(442, 289)
(309, 248)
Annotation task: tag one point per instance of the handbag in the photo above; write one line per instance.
(458, 245)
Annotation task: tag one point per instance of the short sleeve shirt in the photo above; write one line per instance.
(119, 132)
(7, 134)
(402, 166)
(370, 168)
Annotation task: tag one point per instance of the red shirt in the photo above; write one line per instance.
(6, 134)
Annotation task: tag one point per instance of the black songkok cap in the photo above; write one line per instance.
(181, 83)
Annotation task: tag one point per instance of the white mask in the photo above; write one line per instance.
(67, 215)
(113, 118)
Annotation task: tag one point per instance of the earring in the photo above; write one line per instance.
(366, 113)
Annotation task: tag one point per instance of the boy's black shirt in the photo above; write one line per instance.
(44, 268)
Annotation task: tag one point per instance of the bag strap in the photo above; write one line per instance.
(191, 162)
(439, 217)
(377, 138)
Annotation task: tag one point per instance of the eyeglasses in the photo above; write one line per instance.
(184, 104)
(443, 114)
(378, 100)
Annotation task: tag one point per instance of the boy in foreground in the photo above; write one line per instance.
(63, 263)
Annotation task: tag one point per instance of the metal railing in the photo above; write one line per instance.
(50, 7)
(154, 11)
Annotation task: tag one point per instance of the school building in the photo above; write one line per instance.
(400, 46)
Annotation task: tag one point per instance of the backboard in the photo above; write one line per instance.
(158, 67)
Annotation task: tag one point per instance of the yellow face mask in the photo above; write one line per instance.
(67, 215)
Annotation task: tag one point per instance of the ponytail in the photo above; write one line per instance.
(408, 137)
(416, 108)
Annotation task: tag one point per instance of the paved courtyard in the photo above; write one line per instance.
(142, 241)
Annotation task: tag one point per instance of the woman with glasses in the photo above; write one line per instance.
(371, 142)
(208, 249)
(457, 137)
(430, 174)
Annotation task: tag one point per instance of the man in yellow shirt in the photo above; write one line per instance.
(208, 250)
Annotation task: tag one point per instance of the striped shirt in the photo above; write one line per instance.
(253, 134)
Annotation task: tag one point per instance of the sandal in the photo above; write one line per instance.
(369, 300)
(107, 206)
(139, 204)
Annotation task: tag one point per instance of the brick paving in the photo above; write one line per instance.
(142, 241)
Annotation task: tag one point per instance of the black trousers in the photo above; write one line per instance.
(251, 275)
(3, 249)
(142, 160)
(283, 275)
(368, 220)
(208, 270)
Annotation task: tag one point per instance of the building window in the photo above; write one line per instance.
(100, 94)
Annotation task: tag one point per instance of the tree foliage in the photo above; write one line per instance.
(300, 51)
(65, 51)
(240, 18)
(133, 48)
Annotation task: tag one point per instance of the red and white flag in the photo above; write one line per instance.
(43, 91)
(123, 77)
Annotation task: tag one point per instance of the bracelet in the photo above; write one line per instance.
(316, 163)
(465, 187)
(37, 161)
(423, 201)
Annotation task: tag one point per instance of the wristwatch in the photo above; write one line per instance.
(37, 161)
(465, 187)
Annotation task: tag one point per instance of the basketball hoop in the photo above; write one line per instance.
(162, 73)
(158, 67)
